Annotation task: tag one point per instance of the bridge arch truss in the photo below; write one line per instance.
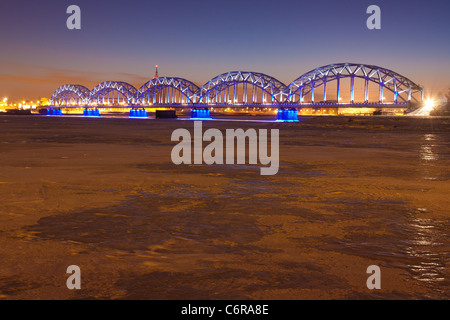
(167, 91)
(402, 88)
(241, 88)
(70, 94)
(112, 93)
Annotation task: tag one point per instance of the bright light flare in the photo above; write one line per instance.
(429, 105)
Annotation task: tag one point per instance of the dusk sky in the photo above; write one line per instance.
(199, 39)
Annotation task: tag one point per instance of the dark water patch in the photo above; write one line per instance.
(152, 219)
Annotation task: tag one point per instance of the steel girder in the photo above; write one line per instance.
(266, 83)
(386, 78)
(64, 93)
(103, 89)
(150, 89)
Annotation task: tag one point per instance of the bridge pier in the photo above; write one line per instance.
(287, 115)
(201, 114)
(91, 112)
(138, 113)
(54, 112)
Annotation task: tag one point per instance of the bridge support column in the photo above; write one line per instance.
(381, 92)
(325, 89)
(352, 90)
(287, 115)
(338, 94)
(202, 114)
(366, 90)
(244, 93)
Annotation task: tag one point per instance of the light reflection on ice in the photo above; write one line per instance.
(430, 264)
(427, 151)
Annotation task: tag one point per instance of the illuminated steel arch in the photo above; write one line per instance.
(113, 93)
(70, 94)
(263, 89)
(402, 88)
(166, 90)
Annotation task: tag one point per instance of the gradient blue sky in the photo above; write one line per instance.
(199, 39)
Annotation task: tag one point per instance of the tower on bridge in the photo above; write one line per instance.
(156, 73)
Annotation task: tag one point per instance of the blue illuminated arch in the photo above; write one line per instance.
(100, 95)
(403, 88)
(70, 94)
(167, 90)
(267, 84)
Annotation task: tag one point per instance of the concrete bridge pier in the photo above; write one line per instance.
(138, 113)
(54, 112)
(201, 114)
(91, 112)
(287, 115)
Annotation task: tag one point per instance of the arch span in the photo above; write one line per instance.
(167, 90)
(225, 88)
(70, 94)
(402, 88)
(113, 93)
